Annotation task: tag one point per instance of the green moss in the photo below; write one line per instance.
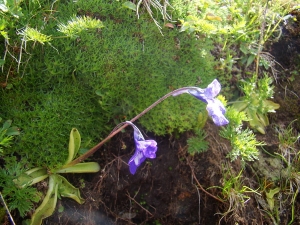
(45, 118)
(128, 63)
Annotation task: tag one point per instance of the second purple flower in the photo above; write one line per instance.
(143, 149)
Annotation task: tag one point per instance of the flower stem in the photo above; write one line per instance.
(113, 133)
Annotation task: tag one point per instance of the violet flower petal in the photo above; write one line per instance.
(143, 149)
(135, 161)
(215, 108)
(148, 147)
(216, 111)
(212, 90)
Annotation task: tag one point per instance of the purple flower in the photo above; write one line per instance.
(143, 149)
(215, 108)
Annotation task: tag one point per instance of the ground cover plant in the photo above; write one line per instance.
(90, 66)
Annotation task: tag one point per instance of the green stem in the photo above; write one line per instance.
(261, 41)
(113, 133)
(293, 207)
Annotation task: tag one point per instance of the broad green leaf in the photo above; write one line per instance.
(7, 124)
(12, 131)
(65, 189)
(31, 177)
(254, 121)
(129, 5)
(240, 105)
(271, 106)
(74, 144)
(263, 118)
(48, 205)
(88, 167)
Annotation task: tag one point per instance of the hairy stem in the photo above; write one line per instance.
(113, 133)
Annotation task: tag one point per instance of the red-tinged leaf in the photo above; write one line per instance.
(170, 25)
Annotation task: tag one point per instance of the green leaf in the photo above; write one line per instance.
(74, 144)
(58, 186)
(9, 86)
(270, 197)
(31, 177)
(263, 118)
(7, 124)
(48, 205)
(12, 131)
(129, 5)
(98, 92)
(271, 106)
(88, 167)
(2, 24)
(250, 60)
(240, 105)
(61, 209)
(2, 61)
(202, 118)
(66, 189)
(254, 121)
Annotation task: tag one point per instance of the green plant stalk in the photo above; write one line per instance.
(293, 207)
(113, 133)
(261, 40)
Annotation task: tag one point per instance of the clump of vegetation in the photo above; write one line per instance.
(243, 141)
(7, 133)
(234, 191)
(255, 102)
(286, 179)
(17, 183)
(197, 144)
(79, 24)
